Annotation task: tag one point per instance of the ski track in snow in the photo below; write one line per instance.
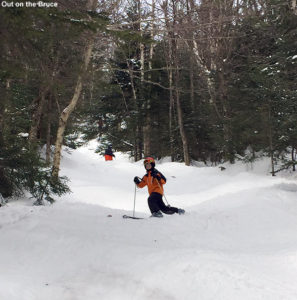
(237, 239)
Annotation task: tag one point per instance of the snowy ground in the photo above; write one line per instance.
(237, 240)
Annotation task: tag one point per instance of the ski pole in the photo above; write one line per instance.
(163, 192)
(134, 201)
(135, 197)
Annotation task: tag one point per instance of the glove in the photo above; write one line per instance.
(136, 180)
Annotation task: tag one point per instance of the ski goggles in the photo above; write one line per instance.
(148, 160)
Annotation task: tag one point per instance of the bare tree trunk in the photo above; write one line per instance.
(195, 108)
(138, 155)
(270, 135)
(181, 119)
(65, 114)
(147, 128)
(132, 83)
(6, 188)
(147, 136)
(137, 144)
(171, 111)
(178, 103)
(169, 65)
(45, 89)
(37, 115)
(2, 111)
(71, 106)
(209, 81)
(48, 131)
(293, 158)
(227, 130)
(192, 97)
(182, 130)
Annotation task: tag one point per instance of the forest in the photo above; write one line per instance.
(194, 80)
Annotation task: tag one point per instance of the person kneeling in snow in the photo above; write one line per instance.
(154, 181)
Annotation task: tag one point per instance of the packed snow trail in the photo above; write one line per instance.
(237, 240)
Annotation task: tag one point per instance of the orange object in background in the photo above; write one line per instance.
(107, 157)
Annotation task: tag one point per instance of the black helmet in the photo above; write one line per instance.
(149, 160)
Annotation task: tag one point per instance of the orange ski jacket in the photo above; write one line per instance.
(153, 184)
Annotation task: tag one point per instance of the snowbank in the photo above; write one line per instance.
(237, 240)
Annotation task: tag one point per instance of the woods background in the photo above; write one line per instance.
(209, 80)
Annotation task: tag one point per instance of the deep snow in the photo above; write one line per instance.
(237, 240)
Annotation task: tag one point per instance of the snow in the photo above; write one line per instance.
(23, 134)
(237, 239)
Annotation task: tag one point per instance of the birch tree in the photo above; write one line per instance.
(90, 40)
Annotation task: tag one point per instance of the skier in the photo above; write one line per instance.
(108, 153)
(154, 181)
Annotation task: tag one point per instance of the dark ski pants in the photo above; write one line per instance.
(156, 203)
